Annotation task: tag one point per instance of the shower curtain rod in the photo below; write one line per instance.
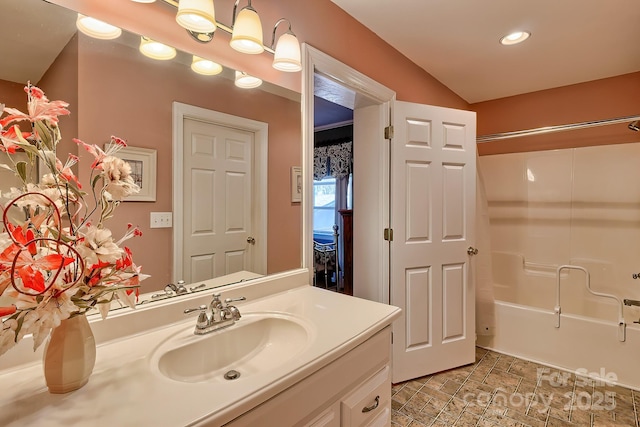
(557, 128)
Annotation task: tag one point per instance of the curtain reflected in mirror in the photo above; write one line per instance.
(332, 196)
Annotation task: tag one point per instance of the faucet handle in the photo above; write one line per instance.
(193, 310)
(229, 300)
(203, 319)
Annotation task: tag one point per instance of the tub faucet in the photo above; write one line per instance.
(631, 302)
(216, 316)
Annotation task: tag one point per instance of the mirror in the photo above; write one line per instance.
(113, 89)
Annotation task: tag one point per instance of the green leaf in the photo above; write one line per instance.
(46, 135)
(30, 149)
(21, 169)
(95, 180)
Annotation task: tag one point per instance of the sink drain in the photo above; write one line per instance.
(232, 375)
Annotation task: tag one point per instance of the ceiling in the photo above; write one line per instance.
(457, 41)
(33, 29)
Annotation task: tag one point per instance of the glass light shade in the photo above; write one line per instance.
(205, 67)
(247, 32)
(287, 54)
(245, 81)
(96, 28)
(196, 15)
(156, 50)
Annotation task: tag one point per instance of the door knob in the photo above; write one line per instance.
(472, 251)
(251, 240)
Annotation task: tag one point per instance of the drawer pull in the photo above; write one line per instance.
(372, 407)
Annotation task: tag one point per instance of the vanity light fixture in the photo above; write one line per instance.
(196, 15)
(205, 66)
(96, 28)
(286, 55)
(198, 18)
(156, 50)
(245, 81)
(515, 38)
(246, 36)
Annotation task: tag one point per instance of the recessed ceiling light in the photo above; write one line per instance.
(515, 38)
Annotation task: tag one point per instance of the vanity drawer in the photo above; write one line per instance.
(383, 419)
(367, 401)
(329, 418)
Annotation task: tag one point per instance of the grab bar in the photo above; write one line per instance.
(622, 326)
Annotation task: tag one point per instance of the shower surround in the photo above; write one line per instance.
(577, 206)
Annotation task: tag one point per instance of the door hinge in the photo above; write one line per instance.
(388, 132)
(388, 234)
(391, 337)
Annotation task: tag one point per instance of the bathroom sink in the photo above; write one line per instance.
(257, 343)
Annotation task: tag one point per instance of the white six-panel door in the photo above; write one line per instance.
(217, 185)
(432, 213)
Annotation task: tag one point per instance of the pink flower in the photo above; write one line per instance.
(57, 257)
(65, 170)
(39, 108)
(118, 141)
(5, 311)
(116, 145)
(9, 139)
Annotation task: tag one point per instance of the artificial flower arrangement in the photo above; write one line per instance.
(57, 258)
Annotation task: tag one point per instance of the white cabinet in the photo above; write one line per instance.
(368, 400)
(329, 418)
(353, 390)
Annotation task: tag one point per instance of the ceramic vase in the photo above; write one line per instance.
(69, 355)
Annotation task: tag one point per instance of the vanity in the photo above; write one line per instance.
(299, 355)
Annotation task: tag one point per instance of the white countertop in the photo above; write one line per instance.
(124, 390)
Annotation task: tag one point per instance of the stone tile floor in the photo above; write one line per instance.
(500, 390)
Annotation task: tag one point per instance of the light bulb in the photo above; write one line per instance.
(96, 28)
(205, 66)
(515, 38)
(245, 81)
(247, 32)
(196, 15)
(287, 54)
(155, 50)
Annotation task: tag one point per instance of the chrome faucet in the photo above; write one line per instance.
(216, 316)
(631, 302)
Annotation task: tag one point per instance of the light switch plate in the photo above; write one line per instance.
(161, 220)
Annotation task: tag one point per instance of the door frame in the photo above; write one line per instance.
(260, 162)
(373, 271)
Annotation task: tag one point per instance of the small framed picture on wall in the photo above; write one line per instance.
(143, 162)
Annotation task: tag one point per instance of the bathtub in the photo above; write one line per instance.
(587, 340)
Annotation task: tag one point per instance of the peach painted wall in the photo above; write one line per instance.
(60, 82)
(596, 100)
(12, 95)
(319, 23)
(112, 76)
